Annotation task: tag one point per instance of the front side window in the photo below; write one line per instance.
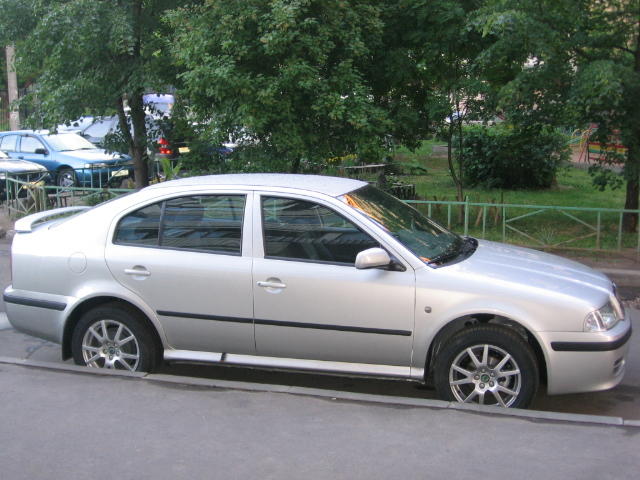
(207, 223)
(30, 145)
(297, 229)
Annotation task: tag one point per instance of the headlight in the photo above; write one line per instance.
(602, 319)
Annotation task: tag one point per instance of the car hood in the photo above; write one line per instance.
(97, 155)
(524, 266)
(20, 166)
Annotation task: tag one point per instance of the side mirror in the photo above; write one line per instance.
(41, 151)
(372, 258)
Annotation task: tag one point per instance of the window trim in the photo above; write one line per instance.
(42, 144)
(16, 143)
(163, 202)
(316, 201)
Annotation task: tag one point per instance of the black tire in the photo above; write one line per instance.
(486, 383)
(113, 352)
(66, 177)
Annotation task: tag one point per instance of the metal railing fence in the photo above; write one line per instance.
(23, 197)
(538, 226)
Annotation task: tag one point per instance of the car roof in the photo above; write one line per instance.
(333, 186)
(36, 132)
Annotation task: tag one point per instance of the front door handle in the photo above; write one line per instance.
(268, 284)
(137, 272)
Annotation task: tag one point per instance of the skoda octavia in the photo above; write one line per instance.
(313, 273)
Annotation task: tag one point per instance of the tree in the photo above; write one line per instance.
(425, 74)
(561, 61)
(96, 57)
(291, 75)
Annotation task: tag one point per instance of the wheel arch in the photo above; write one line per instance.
(94, 302)
(64, 166)
(467, 321)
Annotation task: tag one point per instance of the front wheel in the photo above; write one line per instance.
(114, 337)
(66, 177)
(487, 365)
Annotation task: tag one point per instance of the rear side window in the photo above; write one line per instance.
(211, 223)
(141, 227)
(296, 229)
(207, 223)
(8, 143)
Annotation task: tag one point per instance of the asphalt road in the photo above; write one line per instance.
(68, 425)
(622, 401)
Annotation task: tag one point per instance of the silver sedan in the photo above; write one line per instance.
(314, 273)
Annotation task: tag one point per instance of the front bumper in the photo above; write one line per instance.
(586, 362)
(101, 176)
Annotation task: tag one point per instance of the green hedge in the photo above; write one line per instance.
(505, 157)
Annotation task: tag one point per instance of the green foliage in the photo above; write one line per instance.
(170, 169)
(507, 158)
(97, 198)
(290, 76)
(91, 57)
(571, 62)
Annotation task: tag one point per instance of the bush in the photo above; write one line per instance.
(504, 157)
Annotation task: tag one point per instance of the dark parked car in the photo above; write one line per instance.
(72, 160)
(22, 170)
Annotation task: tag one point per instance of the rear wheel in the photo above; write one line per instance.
(114, 337)
(487, 365)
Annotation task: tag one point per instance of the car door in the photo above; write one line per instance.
(31, 148)
(189, 259)
(311, 302)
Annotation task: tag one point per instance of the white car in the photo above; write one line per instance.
(315, 273)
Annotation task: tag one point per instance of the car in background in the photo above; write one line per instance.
(159, 104)
(313, 273)
(22, 170)
(97, 131)
(76, 125)
(71, 160)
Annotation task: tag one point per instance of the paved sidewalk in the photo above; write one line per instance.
(77, 426)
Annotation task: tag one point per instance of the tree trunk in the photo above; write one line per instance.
(632, 164)
(138, 145)
(295, 165)
(12, 87)
(632, 173)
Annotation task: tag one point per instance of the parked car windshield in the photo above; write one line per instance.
(66, 142)
(424, 237)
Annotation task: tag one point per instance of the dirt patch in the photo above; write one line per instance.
(5, 224)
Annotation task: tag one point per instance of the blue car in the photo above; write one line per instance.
(71, 160)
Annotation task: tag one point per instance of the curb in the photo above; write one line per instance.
(331, 394)
(622, 277)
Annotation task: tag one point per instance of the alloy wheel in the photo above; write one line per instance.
(485, 374)
(110, 344)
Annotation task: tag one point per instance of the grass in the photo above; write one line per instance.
(573, 189)
(574, 185)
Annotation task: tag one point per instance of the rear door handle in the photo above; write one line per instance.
(268, 284)
(140, 271)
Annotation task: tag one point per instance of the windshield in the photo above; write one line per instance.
(428, 240)
(65, 142)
